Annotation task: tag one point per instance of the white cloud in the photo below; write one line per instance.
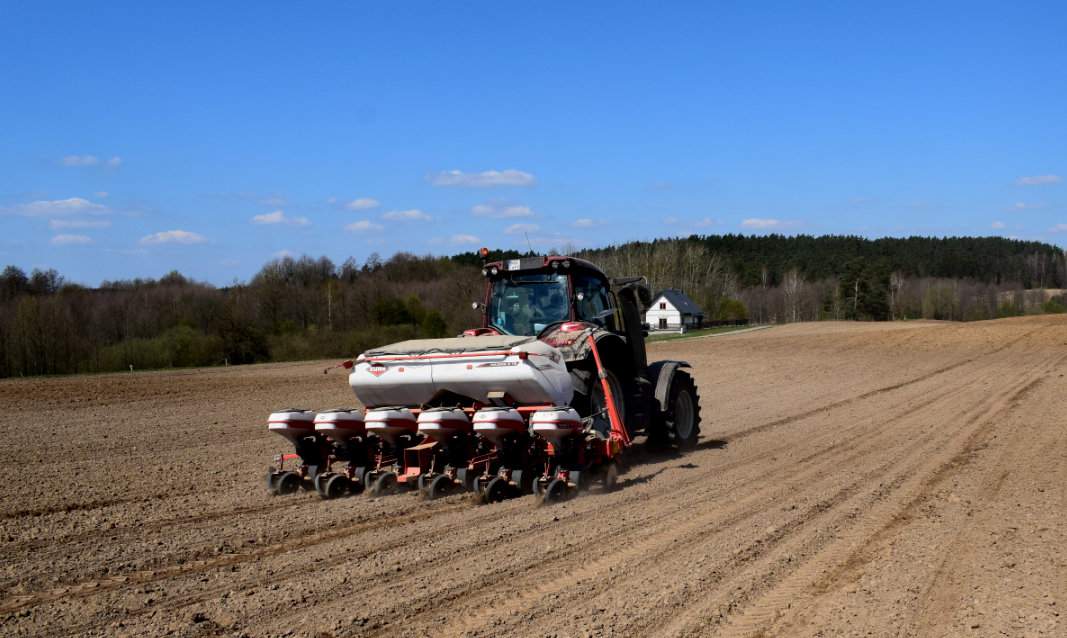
(501, 211)
(63, 224)
(1059, 228)
(276, 217)
(464, 239)
(1037, 180)
(363, 226)
(584, 222)
(80, 160)
(90, 160)
(703, 222)
(458, 239)
(71, 240)
(281, 254)
(516, 229)
(760, 222)
(413, 214)
(557, 243)
(101, 194)
(509, 177)
(1025, 206)
(362, 203)
(173, 237)
(997, 225)
(279, 217)
(60, 207)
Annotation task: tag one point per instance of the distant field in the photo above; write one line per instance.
(667, 336)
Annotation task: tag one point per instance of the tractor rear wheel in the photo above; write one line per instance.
(683, 416)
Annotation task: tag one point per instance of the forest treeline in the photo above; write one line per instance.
(779, 278)
(304, 308)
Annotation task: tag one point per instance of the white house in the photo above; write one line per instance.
(671, 309)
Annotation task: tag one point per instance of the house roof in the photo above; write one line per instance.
(679, 300)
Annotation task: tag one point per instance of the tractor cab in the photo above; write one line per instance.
(527, 295)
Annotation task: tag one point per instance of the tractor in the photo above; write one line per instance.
(547, 392)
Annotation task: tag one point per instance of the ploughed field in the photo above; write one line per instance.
(852, 479)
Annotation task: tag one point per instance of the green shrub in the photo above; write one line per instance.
(731, 310)
(1056, 305)
(433, 325)
(1007, 309)
(180, 346)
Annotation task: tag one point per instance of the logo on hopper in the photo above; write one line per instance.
(377, 369)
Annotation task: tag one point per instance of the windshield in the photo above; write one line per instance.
(524, 304)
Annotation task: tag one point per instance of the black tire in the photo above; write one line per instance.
(441, 485)
(421, 484)
(334, 486)
(497, 490)
(556, 491)
(320, 486)
(287, 483)
(272, 476)
(683, 411)
(536, 487)
(384, 485)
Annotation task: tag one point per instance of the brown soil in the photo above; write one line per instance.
(853, 479)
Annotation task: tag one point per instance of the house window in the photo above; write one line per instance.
(663, 305)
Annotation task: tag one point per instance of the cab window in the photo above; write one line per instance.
(591, 298)
(525, 303)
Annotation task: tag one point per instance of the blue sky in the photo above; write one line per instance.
(210, 137)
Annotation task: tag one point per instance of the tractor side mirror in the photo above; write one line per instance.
(477, 305)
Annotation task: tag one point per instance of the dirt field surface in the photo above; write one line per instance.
(899, 479)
